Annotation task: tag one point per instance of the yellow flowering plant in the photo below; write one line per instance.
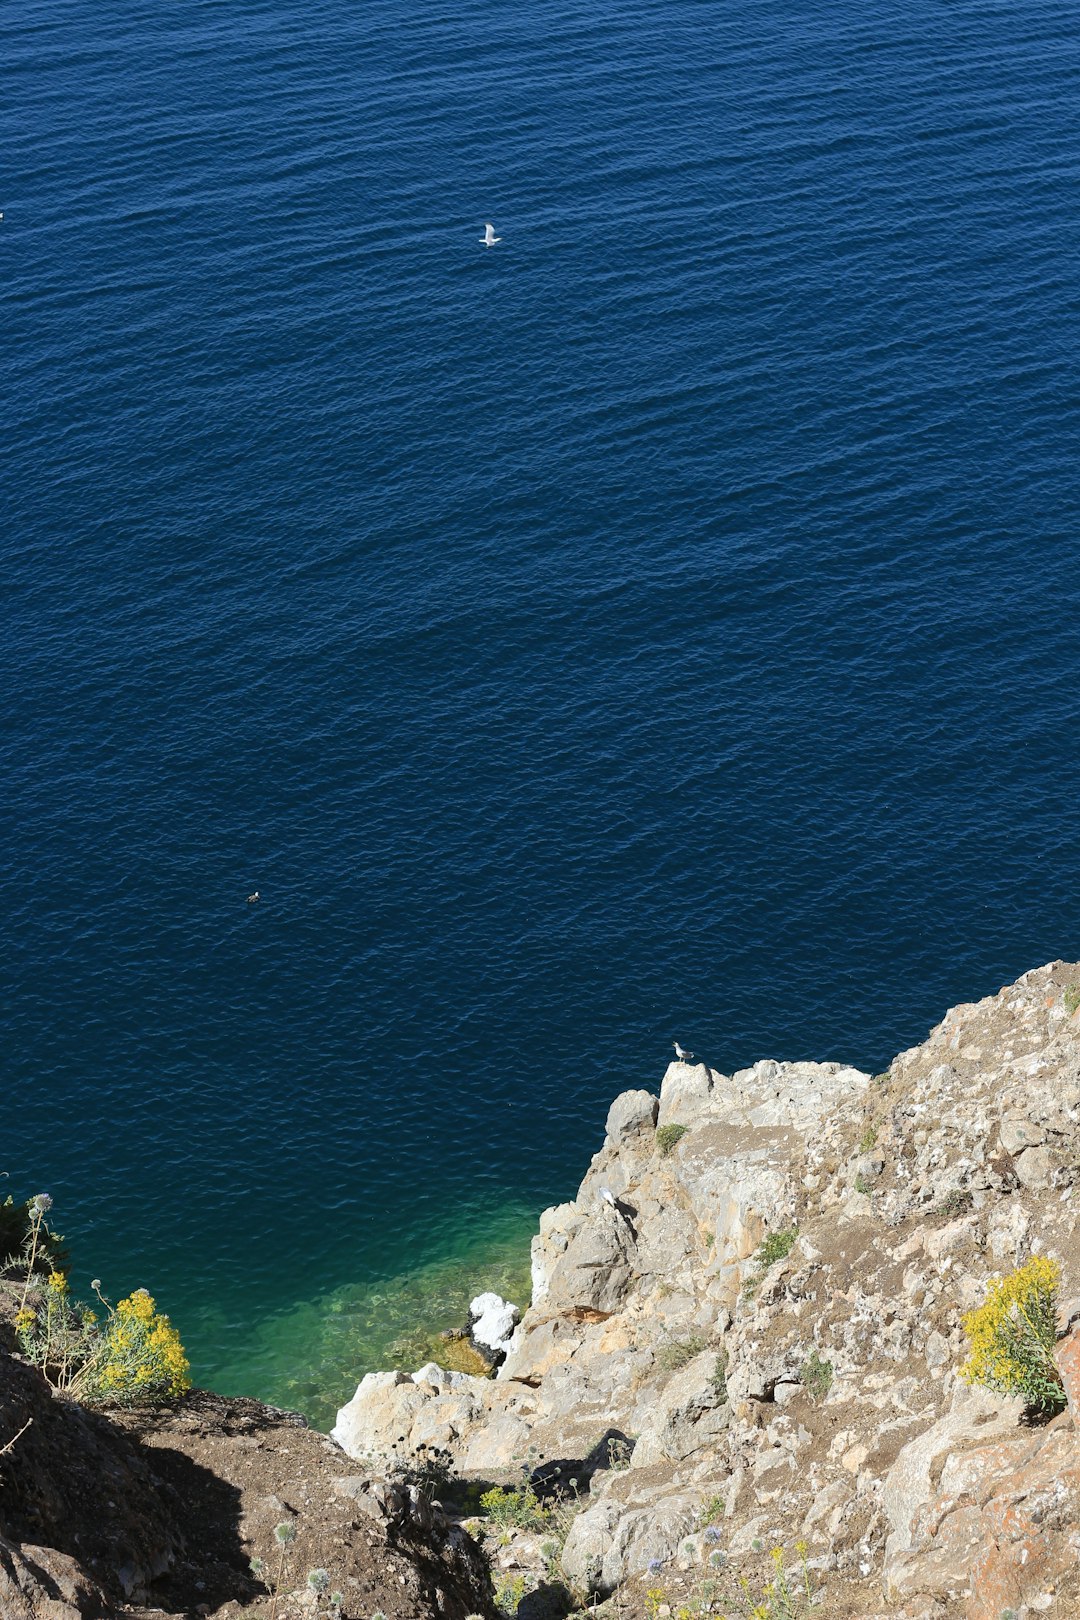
(1012, 1336)
(139, 1357)
(786, 1596)
(133, 1356)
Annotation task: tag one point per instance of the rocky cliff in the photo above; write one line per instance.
(745, 1331)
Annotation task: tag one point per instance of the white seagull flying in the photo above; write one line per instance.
(682, 1055)
(489, 238)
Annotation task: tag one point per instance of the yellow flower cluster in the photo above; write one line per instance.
(142, 1357)
(1012, 1336)
(24, 1320)
(138, 1307)
(58, 1283)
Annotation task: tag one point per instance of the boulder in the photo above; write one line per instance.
(1017, 1134)
(975, 1415)
(609, 1543)
(688, 1416)
(1035, 1168)
(685, 1092)
(631, 1113)
(594, 1270)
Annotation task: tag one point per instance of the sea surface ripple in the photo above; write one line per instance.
(664, 624)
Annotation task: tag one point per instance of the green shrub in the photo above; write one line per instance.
(955, 1203)
(514, 1507)
(868, 1139)
(816, 1376)
(677, 1352)
(668, 1137)
(776, 1246)
(1013, 1334)
(1071, 998)
(18, 1225)
(719, 1377)
(138, 1359)
(862, 1185)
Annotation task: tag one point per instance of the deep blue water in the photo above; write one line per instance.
(665, 623)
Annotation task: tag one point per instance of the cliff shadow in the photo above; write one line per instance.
(211, 1563)
(562, 1476)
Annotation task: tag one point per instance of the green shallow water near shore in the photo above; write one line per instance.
(310, 1357)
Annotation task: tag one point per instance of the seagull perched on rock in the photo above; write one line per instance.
(610, 1199)
(682, 1055)
(489, 238)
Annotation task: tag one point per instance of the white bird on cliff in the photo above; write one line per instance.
(489, 238)
(608, 1196)
(682, 1055)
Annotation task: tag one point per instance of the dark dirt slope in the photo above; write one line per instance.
(160, 1513)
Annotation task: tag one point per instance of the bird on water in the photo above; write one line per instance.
(253, 899)
(489, 238)
(681, 1053)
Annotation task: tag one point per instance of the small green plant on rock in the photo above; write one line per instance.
(711, 1511)
(816, 1376)
(719, 1377)
(954, 1204)
(1071, 998)
(677, 1352)
(863, 1186)
(619, 1452)
(668, 1137)
(776, 1246)
(1013, 1335)
(868, 1139)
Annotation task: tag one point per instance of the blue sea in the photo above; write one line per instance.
(663, 624)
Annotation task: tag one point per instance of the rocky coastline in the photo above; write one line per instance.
(746, 1332)
(743, 1353)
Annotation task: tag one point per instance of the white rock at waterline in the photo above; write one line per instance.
(493, 1321)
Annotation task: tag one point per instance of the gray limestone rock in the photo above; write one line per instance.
(975, 1417)
(688, 1416)
(608, 1542)
(1018, 1134)
(630, 1113)
(1035, 1168)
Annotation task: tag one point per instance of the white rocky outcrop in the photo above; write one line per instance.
(694, 1380)
(492, 1322)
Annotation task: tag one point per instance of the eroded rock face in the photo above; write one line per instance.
(811, 1387)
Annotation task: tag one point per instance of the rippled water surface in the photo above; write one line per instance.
(662, 624)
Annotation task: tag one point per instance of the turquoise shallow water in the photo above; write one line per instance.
(663, 624)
